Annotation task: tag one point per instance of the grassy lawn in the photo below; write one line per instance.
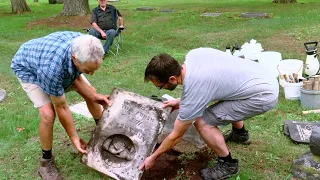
(147, 34)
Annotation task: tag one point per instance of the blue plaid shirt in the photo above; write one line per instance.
(47, 62)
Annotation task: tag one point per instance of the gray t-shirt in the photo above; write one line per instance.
(213, 75)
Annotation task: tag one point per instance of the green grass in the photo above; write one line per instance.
(147, 34)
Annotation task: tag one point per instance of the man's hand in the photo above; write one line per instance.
(147, 164)
(103, 35)
(171, 103)
(102, 100)
(80, 144)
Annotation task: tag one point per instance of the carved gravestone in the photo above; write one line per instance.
(2, 94)
(307, 166)
(126, 134)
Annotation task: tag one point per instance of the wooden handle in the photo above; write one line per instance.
(311, 111)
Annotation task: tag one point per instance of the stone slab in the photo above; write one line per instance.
(145, 9)
(315, 140)
(192, 135)
(307, 166)
(211, 14)
(254, 15)
(2, 94)
(299, 131)
(166, 10)
(126, 134)
(81, 108)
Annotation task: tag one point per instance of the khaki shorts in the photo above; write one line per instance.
(38, 97)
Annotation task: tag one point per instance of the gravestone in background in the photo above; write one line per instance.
(126, 134)
(254, 15)
(166, 10)
(145, 8)
(307, 166)
(2, 94)
(211, 14)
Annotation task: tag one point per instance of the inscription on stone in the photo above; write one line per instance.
(126, 134)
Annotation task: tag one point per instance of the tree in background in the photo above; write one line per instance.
(284, 1)
(19, 6)
(75, 8)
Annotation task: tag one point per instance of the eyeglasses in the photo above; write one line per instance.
(160, 87)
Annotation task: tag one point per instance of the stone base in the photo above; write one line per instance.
(2, 94)
(145, 9)
(211, 14)
(254, 15)
(182, 146)
(307, 166)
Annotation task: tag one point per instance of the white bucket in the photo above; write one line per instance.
(288, 67)
(292, 90)
(270, 60)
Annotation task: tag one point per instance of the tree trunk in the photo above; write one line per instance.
(75, 8)
(19, 6)
(284, 1)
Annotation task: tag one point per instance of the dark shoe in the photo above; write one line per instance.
(222, 170)
(47, 170)
(233, 136)
(104, 56)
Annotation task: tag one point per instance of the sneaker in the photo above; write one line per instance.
(222, 170)
(47, 170)
(233, 136)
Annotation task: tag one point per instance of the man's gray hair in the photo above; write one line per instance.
(87, 48)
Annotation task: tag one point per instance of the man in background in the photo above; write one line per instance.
(104, 24)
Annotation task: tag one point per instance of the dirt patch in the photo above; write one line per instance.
(74, 22)
(170, 167)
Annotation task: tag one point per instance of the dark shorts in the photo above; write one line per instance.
(225, 112)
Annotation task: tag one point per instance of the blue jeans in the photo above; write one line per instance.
(111, 33)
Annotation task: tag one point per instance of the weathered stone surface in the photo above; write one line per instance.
(254, 15)
(315, 140)
(166, 10)
(145, 9)
(300, 131)
(191, 137)
(211, 14)
(2, 94)
(307, 166)
(81, 108)
(126, 134)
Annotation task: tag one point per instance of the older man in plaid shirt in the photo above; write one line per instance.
(48, 67)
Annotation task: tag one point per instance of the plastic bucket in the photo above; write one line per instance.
(292, 91)
(290, 66)
(270, 60)
(310, 99)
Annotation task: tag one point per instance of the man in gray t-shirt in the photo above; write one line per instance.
(239, 89)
